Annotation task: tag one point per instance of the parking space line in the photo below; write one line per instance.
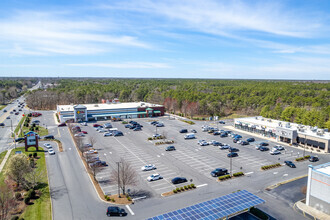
(164, 188)
(130, 210)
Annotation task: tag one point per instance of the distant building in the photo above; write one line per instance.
(281, 131)
(108, 110)
(318, 187)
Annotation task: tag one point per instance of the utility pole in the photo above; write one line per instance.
(11, 125)
(118, 180)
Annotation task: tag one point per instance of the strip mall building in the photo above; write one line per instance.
(110, 110)
(292, 133)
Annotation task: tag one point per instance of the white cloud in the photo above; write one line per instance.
(125, 65)
(34, 33)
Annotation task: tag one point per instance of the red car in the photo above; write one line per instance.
(36, 114)
(62, 125)
(84, 132)
(96, 125)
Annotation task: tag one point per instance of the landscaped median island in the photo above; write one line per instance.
(228, 176)
(180, 190)
(24, 185)
(267, 167)
(2, 156)
(303, 158)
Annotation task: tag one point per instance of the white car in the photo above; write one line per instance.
(79, 135)
(156, 135)
(107, 134)
(148, 167)
(102, 130)
(84, 123)
(203, 143)
(224, 147)
(154, 177)
(51, 151)
(239, 141)
(278, 147)
(274, 152)
(211, 142)
(48, 146)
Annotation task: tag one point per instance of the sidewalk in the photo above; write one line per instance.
(5, 159)
(310, 211)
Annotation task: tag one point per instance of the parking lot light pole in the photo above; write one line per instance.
(118, 180)
(231, 166)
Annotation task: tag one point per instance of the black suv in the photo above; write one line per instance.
(183, 131)
(170, 148)
(219, 172)
(233, 149)
(313, 159)
(264, 144)
(115, 211)
(178, 180)
(290, 164)
(49, 137)
(250, 140)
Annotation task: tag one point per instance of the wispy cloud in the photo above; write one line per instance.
(125, 65)
(35, 33)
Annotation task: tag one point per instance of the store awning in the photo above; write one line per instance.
(118, 115)
(157, 111)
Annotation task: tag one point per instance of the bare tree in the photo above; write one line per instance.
(92, 140)
(127, 175)
(33, 178)
(17, 168)
(95, 169)
(7, 201)
(79, 143)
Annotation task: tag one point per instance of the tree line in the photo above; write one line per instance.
(11, 88)
(296, 101)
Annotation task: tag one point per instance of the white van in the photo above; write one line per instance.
(190, 136)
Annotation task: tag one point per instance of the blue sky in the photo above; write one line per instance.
(166, 39)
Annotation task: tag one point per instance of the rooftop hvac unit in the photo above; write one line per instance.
(287, 125)
(142, 103)
(256, 118)
(320, 132)
(262, 119)
(96, 105)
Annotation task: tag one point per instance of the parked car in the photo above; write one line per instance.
(156, 135)
(159, 125)
(219, 172)
(98, 163)
(237, 136)
(148, 167)
(250, 140)
(35, 122)
(107, 125)
(154, 177)
(216, 133)
(264, 144)
(193, 131)
(153, 122)
(19, 139)
(178, 180)
(137, 129)
(224, 147)
(216, 143)
(5, 110)
(117, 133)
(233, 149)
(203, 143)
(84, 132)
(222, 122)
(8, 117)
(83, 123)
(107, 134)
(183, 131)
(49, 137)
(128, 126)
(313, 159)
(223, 135)
(262, 148)
(232, 154)
(102, 130)
(235, 140)
(115, 211)
(62, 125)
(244, 143)
(16, 113)
(189, 136)
(170, 148)
(290, 164)
(2, 124)
(279, 147)
(275, 152)
(47, 145)
(79, 135)
(96, 125)
(51, 151)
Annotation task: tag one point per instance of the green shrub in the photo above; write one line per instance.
(307, 156)
(175, 191)
(124, 122)
(224, 177)
(129, 198)
(192, 185)
(185, 187)
(35, 154)
(113, 200)
(31, 194)
(15, 218)
(30, 155)
(238, 174)
(181, 188)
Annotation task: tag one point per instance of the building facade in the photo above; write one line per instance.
(292, 133)
(111, 110)
(318, 187)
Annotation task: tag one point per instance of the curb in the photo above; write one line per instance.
(284, 182)
(2, 165)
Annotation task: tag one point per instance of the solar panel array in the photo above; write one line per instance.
(215, 208)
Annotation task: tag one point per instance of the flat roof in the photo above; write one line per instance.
(216, 208)
(272, 123)
(323, 168)
(105, 106)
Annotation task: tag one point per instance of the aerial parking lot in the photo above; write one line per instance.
(189, 159)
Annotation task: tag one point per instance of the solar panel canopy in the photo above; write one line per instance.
(214, 209)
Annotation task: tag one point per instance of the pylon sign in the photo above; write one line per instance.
(31, 140)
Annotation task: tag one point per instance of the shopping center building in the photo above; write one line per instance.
(281, 131)
(112, 110)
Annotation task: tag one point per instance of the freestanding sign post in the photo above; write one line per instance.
(31, 140)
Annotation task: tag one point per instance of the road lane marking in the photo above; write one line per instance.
(130, 210)
(205, 184)
(249, 173)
